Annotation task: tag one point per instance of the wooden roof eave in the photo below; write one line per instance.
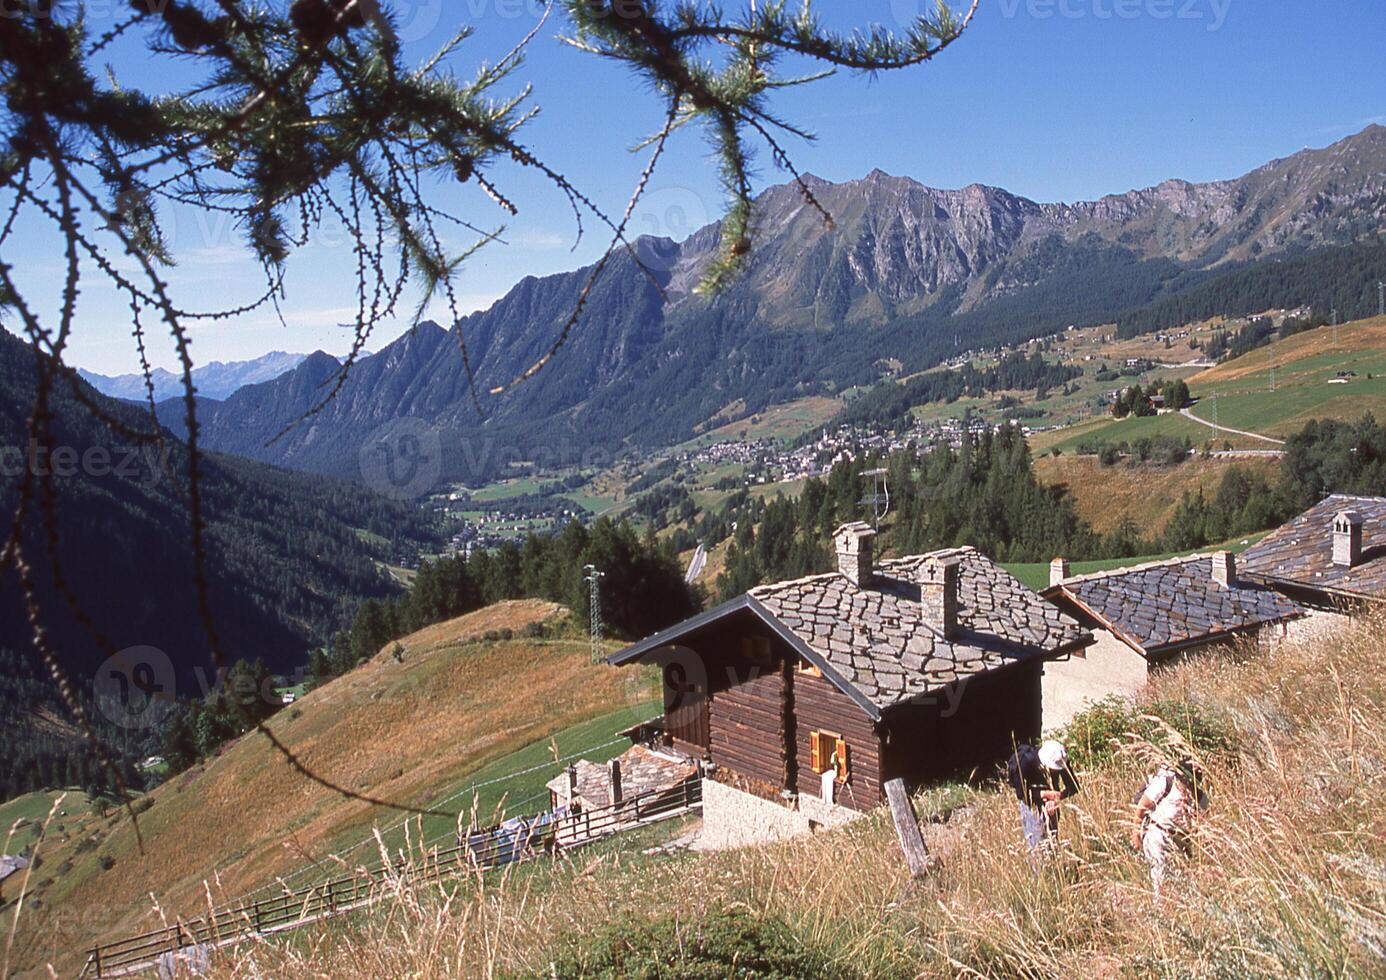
(1071, 597)
(747, 603)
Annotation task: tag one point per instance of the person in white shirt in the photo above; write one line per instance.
(1164, 817)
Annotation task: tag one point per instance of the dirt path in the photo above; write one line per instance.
(1188, 414)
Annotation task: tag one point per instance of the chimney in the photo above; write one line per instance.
(1059, 571)
(938, 592)
(1224, 568)
(856, 547)
(1347, 539)
(615, 781)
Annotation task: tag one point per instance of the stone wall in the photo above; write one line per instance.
(735, 818)
(825, 814)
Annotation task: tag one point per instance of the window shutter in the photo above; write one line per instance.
(842, 769)
(816, 749)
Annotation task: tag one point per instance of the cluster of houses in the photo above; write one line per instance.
(799, 700)
(767, 461)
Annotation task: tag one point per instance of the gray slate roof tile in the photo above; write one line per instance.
(1301, 551)
(877, 639)
(1170, 603)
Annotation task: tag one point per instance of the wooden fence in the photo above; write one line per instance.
(520, 839)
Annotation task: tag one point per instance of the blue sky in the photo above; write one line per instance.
(1051, 99)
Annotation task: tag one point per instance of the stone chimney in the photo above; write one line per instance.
(938, 593)
(856, 552)
(1224, 568)
(1347, 539)
(1059, 571)
(616, 794)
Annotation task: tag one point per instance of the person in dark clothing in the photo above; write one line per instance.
(1041, 778)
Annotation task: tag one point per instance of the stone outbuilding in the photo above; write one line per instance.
(1150, 615)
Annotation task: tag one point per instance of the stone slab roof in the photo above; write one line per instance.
(877, 640)
(1168, 604)
(642, 771)
(1301, 552)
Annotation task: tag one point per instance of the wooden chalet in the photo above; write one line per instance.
(918, 667)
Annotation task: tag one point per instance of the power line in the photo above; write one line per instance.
(879, 497)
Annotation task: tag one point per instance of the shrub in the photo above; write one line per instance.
(107, 862)
(1094, 736)
(726, 944)
(534, 631)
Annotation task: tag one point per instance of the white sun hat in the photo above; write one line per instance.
(1053, 755)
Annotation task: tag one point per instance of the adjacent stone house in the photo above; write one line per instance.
(636, 772)
(1147, 616)
(805, 697)
(1332, 556)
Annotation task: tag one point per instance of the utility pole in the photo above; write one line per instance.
(1381, 299)
(1335, 326)
(594, 602)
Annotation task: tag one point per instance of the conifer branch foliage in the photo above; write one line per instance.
(306, 109)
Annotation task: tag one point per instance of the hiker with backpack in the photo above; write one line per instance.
(1165, 813)
(1041, 778)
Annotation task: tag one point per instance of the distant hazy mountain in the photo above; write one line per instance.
(216, 380)
(906, 272)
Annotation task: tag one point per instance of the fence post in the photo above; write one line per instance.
(907, 829)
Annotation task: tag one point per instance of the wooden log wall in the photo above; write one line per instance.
(747, 722)
(820, 706)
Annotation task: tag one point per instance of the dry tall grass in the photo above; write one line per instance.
(1105, 496)
(1288, 874)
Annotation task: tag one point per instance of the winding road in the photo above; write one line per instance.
(696, 566)
(1188, 414)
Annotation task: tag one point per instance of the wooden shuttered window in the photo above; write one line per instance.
(829, 750)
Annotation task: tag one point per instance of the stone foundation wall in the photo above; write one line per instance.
(826, 814)
(735, 818)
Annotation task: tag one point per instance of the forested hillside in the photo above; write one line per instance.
(289, 556)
